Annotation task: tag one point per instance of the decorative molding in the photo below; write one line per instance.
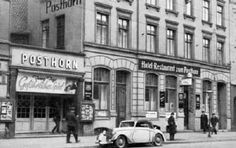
(148, 6)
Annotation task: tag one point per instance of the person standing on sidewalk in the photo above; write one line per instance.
(71, 126)
(204, 122)
(56, 120)
(214, 121)
(172, 126)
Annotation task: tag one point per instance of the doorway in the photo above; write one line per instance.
(186, 108)
(221, 104)
(122, 79)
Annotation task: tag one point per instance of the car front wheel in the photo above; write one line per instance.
(157, 141)
(121, 142)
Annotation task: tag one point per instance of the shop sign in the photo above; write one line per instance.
(88, 91)
(6, 110)
(151, 114)
(144, 64)
(44, 84)
(3, 66)
(87, 112)
(162, 99)
(56, 5)
(186, 82)
(46, 60)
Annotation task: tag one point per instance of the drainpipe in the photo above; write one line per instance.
(137, 46)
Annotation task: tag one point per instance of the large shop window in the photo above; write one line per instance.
(151, 92)
(23, 106)
(171, 90)
(39, 107)
(207, 88)
(101, 88)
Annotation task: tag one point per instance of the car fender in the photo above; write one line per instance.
(121, 134)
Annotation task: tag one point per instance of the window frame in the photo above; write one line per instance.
(222, 14)
(191, 8)
(173, 41)
(60, 31)
(45, 32)
(153, 87)
(220, 60)
(101, 24)
(208, 48)
(98, 82)
(206, 9)
(188, 53)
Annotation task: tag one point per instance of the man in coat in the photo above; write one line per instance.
(71, 126)
(204, 122)
(214, 121)
(172, 126)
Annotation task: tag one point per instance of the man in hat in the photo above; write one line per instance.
(71, 125)
(214, 121)
(204, 122)
(172, 126)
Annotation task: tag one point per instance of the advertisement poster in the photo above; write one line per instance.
(87, 112)
(181, 100)
(198, 102)
(6, 110)
(162, 99)
(88, 91)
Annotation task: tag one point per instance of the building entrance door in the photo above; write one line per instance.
(121, 95)
(186, 109)
(221, 99)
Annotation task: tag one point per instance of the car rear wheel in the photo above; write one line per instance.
(157, 141)
(121, 142)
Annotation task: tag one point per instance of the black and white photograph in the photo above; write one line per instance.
(117, 73)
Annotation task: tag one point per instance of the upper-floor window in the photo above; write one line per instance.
(171, 42)
(151, 38)
(206, 50)
(206, 10)
(101, 88)
(220, 53)
(188, 45)
(102, 28)
(151, 92)
(220, 15)
(151, 2)
(170, 5)
(123, 32)
(188, 7)
(45, 33)
(61, 32)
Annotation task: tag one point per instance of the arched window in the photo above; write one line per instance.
(151, 92)
(171, 93)
(101, 89)
(206, 95)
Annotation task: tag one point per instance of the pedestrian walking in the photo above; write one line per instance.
(56, 120)
(71, 126)
(214, 121)
(172, 126)
(204, 122)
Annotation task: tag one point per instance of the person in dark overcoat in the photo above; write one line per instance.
(71, 126)
(172, 126)
(56, 120)
(204, 122)
(214, 121)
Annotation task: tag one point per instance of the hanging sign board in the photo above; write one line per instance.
(186, 82)
(44, 84)
(6, 110)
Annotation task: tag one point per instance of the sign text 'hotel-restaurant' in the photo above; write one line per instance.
(168, 67)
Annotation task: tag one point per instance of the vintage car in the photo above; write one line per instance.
(130, 132)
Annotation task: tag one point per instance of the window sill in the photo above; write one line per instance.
(219, 27)
(168, 11)
(207, 23)
(148, 6)
(190, 17)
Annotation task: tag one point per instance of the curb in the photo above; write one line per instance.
(198, 141)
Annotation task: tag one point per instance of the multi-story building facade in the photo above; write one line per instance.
(4, 59)
(143, 59)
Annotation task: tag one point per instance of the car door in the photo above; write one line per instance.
(141, 133)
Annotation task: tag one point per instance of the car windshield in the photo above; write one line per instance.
(127, 124)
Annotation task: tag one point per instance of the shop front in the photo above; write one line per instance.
(46, 84)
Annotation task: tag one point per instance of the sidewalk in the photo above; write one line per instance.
(59, 141)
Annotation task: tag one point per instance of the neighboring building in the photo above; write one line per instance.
(4, 58)
(143, 59)
(233, 61)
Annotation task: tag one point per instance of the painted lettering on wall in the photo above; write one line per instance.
(168, 67)
(44, 61)
(59, 5)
